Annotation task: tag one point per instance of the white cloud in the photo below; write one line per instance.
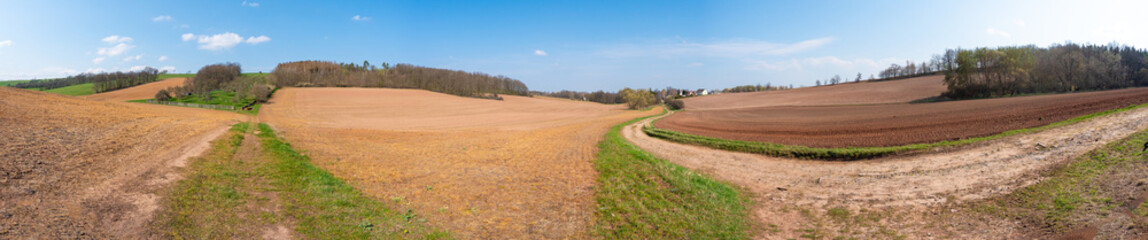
(136, 68)
(219, 41)
(258, 40)
(994, 31)
(116, 39)
(1020, 23)
(115, 50)
(223, 40)
(733, 48)
(95, 70)
(360, 18)
(162, 58)
(5, 43)
(99, 60)
(168, 68)
(541, 53)
(161, 18)
(133, 58)
(818, 62)
(250, 4)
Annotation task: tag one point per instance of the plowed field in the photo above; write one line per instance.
(145, 91)
(514, 169)
(73, 168)
(896, 91)
(894, 123)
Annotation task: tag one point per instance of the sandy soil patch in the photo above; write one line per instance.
(515, 169)
(77, 168)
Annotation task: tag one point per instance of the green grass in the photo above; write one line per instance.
(326, 207)
(849, 153)
(1073, 192)
(175, 75)
(218, 97)
(225, 197)
(13, 82)
(74, 90)
(643, 197)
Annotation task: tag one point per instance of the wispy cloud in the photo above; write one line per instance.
(541, 53)
(162, 58)
(115, 50)
(258, 40)
(98, 60)
(994, 31)
(168, 68)
(222, 41)
(732, 48)
(360, 18)
(116, 39)
(5, 43)
(133, 58)
(250, 4)
(1020, 23)
(161, 18)
(825, 61)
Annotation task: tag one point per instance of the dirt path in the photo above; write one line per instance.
(905, 182)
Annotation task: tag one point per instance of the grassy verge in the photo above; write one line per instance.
(231, 195)
(849, 153)
(641, 196)
(1085, 190)
(74, 90)
(175, 75)
(326, 207)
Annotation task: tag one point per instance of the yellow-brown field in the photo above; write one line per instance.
(74, 168)
(521, 168)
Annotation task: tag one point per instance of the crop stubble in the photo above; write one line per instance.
(518, 168)
(76, 168)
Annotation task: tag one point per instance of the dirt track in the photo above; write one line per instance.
(919, 183)
(515, 169)
(77, 168)
(145, 91)
(894, 124)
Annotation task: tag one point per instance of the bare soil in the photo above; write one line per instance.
(921, 190)
(144, 91)
(76, 168)
(893, 124)
(896, 91)
(521, 168)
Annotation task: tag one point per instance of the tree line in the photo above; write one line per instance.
(633, 98)
(101, 82)
(329, 74)
(222, 77)
(1069, 67)
(754, 88)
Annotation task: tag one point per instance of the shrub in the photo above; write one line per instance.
(162, 95)
(638, 99)
(676, 104)
(261, 92)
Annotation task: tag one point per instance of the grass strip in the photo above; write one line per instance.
(1077, 192)
(74, 90)
(848, 153)
(326, 207)
(209, 203)
(643, 197)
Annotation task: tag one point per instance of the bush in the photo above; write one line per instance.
(162, 95)
(638, 99)
(261, 92)
(676, 104)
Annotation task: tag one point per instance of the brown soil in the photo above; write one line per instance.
(77, 168)
(515, 169)
(922, 186)
(897, 91)
(145, 91)
(894, 124)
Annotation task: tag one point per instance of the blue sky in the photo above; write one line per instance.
(549, 45)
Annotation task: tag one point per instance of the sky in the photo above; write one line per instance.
(549, 45)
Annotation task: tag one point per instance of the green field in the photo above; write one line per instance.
(218, 97)
(74, 90)
(13, 82)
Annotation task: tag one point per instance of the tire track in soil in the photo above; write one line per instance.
(919, 183)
